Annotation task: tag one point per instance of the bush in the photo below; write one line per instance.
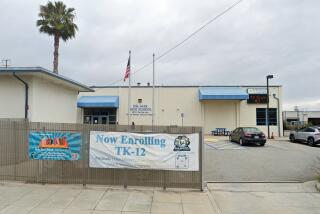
(288, 126)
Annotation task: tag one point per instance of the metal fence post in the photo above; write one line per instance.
(14, 131)
(201, 139)
(164, 180)
(43, 129)
(125, 184)
(83, 157)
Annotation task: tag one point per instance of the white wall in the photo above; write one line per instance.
(12, 97)
(53, 102)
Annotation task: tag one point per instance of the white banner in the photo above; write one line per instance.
(144, 151)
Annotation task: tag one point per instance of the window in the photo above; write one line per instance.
(310, 130)
(261, 116)
(139, 100)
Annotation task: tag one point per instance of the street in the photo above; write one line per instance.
(276, 161)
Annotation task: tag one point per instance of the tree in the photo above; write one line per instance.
(58, 21)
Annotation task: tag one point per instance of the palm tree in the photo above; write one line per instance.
(57, 20)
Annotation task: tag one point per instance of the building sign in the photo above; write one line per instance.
(141, 109)
(144, 151)
(54, 145)
(257, 90)
(257, 99)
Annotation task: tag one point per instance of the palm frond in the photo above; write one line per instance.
(57, 19)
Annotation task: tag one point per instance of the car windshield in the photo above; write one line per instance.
(251, 129)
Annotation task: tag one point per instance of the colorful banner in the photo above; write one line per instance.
(54, 145)
(144, 151)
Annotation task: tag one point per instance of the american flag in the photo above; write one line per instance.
(127, 73)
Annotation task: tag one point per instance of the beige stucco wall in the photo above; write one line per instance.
(220, 114)
(53, 102)
(248, 112)
(170, 102)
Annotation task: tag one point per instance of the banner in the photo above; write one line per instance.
(144, 151)
(54, 145)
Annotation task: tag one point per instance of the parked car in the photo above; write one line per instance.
(244, 135)
(310, 135)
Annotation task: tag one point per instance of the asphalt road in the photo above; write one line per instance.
(276, 161)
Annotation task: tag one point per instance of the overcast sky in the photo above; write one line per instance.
(256, 38)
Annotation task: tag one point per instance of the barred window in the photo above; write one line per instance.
(261, 116)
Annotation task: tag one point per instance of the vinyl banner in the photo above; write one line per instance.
(54, 145)
(144, 151)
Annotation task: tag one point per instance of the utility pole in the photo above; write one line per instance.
(267, 113)
(5, 62)
(153, 87)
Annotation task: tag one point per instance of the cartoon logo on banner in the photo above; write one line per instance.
(54, 146)
(181, 143)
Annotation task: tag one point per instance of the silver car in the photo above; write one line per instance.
(311, 135)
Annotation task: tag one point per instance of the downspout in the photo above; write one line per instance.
(278, 112)
(26, 105)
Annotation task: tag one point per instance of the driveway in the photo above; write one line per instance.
(276, 161)
(264, 198)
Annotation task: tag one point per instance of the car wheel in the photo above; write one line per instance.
(262, 144)
(241, 142)
(310, 141)
(292, 138)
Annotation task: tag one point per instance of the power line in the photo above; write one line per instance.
(183, 41)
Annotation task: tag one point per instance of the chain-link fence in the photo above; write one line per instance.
(16, 165)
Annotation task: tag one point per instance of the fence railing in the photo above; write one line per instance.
(16, 165)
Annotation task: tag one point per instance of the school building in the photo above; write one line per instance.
(38, 95)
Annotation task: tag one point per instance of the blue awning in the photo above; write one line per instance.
(98, 101)
(222, 93)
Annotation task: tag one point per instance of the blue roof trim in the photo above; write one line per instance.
(222, 93)
(22, 70)
(98, 101)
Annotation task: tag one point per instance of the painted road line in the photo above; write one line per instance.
(224, 146)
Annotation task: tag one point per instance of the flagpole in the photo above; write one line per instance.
(129, 93)
(153, 105)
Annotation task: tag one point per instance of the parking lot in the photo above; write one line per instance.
(278, 160)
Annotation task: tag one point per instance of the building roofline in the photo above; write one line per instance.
(25, 70)
(186, 86)
(302, 111)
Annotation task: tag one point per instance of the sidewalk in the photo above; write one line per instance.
(220, 198)
(17, 198)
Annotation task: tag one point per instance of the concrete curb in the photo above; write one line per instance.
(318, 186)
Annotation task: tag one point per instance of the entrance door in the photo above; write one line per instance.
(104, 120)
(100, 116)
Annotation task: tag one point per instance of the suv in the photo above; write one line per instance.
(311, 135)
